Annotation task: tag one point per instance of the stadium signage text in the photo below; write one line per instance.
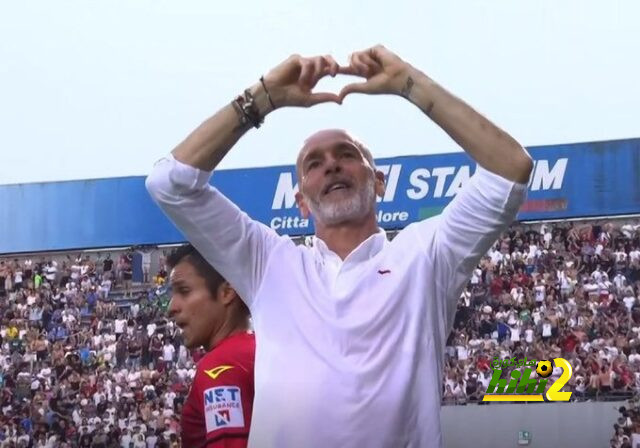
(443, 181)
(569, 181)
(295, 222)
(437, 182)
(417, 185)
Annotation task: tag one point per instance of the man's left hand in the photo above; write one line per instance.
(384, 71)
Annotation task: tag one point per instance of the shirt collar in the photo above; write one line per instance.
(368, 249)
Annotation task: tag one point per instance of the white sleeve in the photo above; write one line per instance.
(465, 230)
(234, 244)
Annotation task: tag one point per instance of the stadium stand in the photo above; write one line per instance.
(88, 358)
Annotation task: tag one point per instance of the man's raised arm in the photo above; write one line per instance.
(487, 144)
(235, 245)
(488, 203)
(289, 84)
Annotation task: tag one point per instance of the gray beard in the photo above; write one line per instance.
(353, 208)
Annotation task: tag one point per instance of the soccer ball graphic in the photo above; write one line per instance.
(544, 368)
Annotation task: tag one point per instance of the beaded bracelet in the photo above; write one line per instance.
(247, 110)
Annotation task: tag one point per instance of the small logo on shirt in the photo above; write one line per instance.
(223, 418)
(216, 371)
(384, 271)
(223, 408)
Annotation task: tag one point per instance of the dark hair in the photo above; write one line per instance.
(191, 255)
(213, 278)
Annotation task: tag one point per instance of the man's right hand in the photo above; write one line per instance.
(290, 84)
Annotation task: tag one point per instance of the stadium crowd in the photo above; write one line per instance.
(79, 368)
(627, 427)
(564, 290)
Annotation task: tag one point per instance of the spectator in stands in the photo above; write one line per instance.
(127, 273)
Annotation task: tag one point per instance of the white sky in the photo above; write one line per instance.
(103, 89)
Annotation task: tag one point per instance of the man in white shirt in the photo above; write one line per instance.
(634, 357)
(540, 290)
(528, 335)
(620, 281)
(105, 286)
(31, 299)
(135, 309)
(119, 325)
(629, 299)
(68, 317)
(169, 398)
(360, 322)
(125, 438)
(75, 272)
(496, 257)
(152, 439)
(168, 352)
(50, 271)
(97, 340)
(591, 288)
(476, 276)
(146, 263)
(597, 274)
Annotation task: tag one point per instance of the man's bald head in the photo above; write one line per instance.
(329, 137)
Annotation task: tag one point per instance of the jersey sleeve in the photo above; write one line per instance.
(226, 396)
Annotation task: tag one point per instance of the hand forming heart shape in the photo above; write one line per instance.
(292, 82)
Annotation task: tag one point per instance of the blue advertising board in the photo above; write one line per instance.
(568, 181)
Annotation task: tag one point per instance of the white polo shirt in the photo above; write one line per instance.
(348, 353)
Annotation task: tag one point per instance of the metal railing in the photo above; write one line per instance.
(575, 397)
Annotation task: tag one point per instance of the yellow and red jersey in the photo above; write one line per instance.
(217, 412)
